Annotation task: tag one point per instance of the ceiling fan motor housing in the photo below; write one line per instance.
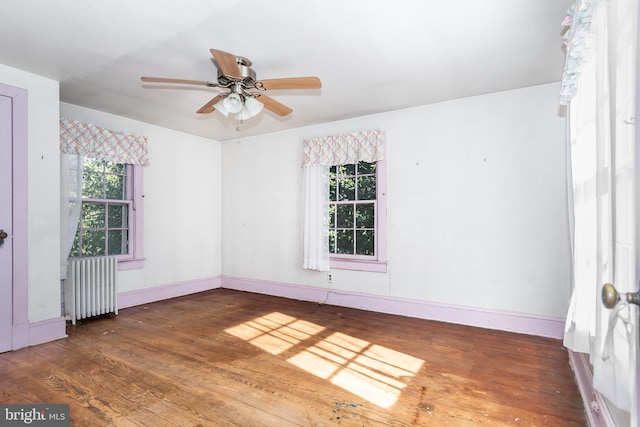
(248, 75)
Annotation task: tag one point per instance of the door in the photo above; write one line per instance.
(6, 222)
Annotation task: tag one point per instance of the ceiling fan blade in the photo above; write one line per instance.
(209, 106)
(181, 81)
(289, 83)
(228, 63)
(273, 105)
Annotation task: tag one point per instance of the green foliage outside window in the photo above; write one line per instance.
(352, 207)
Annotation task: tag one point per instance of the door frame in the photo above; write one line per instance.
(19, 166)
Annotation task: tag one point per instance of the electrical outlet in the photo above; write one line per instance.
(330, 277)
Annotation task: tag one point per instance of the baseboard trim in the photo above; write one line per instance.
(551, 327)
(595, 407)
(159, 293)
(47, 330)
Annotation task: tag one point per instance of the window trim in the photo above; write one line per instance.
(136, 259)
(378, 263)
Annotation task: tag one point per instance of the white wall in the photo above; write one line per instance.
(477, 210)
(44, 191)
(181, 203)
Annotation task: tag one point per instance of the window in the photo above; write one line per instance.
(345, 229)
(357, 216)
(110, 221)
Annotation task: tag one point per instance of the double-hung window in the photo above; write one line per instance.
(107, 210)
(344, 222)
(357, 222)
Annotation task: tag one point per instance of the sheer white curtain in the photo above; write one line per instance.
(319, 155)
(316, 214)
(600, 86)
(70, 204)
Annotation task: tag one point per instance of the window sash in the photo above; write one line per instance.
(107, 228)
(354, 228)
(336, 201)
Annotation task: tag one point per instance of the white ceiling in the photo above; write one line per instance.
(372, 56)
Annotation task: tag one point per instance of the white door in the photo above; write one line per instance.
(6, 222)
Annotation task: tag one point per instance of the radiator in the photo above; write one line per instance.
(91, 288)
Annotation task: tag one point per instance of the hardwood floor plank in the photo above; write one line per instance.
(228, 358)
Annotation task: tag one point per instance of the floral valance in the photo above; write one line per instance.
(578, 20)
(100, 143)
(367, 146)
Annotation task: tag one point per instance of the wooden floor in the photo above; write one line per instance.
(227, 358)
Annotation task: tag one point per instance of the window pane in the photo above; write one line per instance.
(344, 242)
(332, 216)
(365, 168)
(347, 170)
(347, 189)
(92, 180)
(93, 215)
(344, 217)
(93, 243)
(92, 185)
(75, 248)
(367, 187)
(365, 242)
(118, 242)
(115, 168)
(365, 215)
(118, 215)
(332, 241)
(93, 165)
(115, 187)
(332, 185)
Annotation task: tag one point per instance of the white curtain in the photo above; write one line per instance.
(316, 214)
(599, 88)
(319, 154)
(70, 204)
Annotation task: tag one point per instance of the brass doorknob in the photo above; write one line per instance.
(610, 296)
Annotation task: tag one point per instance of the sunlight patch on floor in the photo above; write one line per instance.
(371, 371)
(275, 332)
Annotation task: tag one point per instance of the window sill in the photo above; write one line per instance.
(130, 263)
(359, 265)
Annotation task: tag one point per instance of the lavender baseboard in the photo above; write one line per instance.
(159, 293)
(552, 327)
(47, 330)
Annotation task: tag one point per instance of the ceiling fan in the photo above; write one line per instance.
(246, 96)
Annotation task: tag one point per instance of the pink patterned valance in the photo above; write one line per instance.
(100, 143)
(367, 146)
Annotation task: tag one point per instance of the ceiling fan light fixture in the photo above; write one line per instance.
(252, 107)
(221, 108)
(243, 114)
(233, 103)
